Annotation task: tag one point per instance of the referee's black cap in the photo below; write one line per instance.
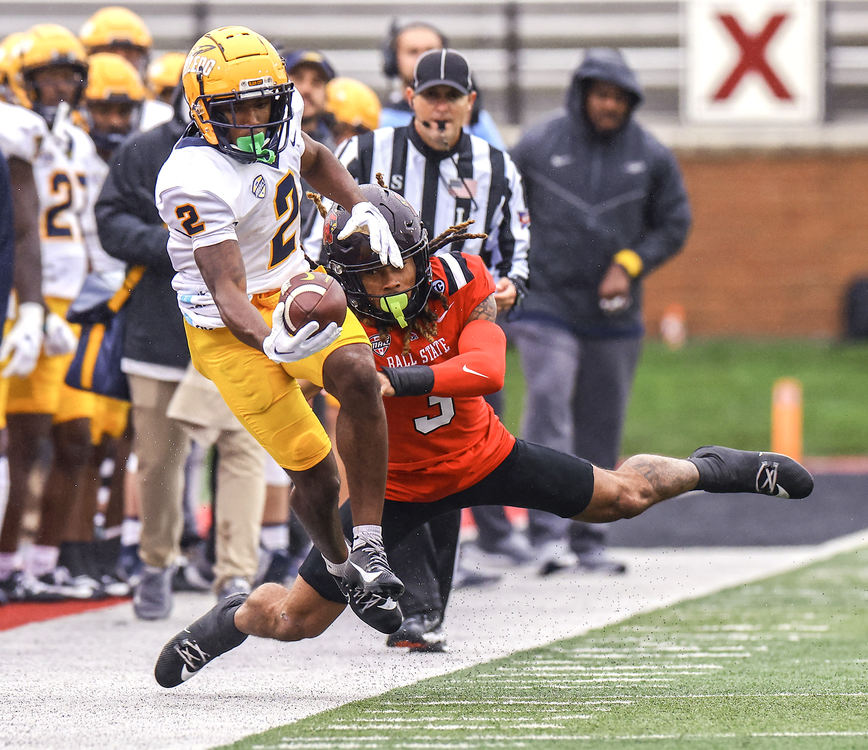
(442, 67)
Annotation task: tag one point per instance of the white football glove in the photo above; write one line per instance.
(282, 346)
(24, 342)
(365, 218)
(59, 337)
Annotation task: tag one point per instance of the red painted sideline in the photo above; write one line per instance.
(23, 613)
(518, 516)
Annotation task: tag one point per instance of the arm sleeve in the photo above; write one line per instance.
(480, 366)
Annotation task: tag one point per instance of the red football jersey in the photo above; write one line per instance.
(439, 445)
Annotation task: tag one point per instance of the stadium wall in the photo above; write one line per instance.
(776, 240)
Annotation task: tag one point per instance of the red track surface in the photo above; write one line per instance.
(24, 613)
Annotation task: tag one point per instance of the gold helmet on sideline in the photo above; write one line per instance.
(113, 100)
(229, 65)
(164, 75)
(9, 50)
(115, 26)
(46, 45)
(353, 103)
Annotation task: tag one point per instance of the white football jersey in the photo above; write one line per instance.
(21, 132)
(62, 171)
(206, 197)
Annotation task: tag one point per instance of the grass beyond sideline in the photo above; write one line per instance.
(719, 391)
(775, 664)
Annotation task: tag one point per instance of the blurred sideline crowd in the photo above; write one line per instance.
(158, 488)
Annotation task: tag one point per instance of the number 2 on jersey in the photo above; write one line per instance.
(285, 201)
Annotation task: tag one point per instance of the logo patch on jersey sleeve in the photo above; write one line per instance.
(259, 186)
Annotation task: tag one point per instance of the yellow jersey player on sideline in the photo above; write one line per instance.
(229, 193)
(48, 71)
(22, 133)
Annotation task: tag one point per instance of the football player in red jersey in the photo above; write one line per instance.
(438, 352)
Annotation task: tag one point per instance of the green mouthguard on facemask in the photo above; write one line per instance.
(254, 145)
(396, 304)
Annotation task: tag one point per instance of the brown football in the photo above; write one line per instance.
(313, 296)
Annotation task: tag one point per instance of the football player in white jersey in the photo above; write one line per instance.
(113, 99)
(48, 75)
(21, 135)
(229, 193)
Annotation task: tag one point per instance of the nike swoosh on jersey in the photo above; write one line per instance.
(473, 372)
(443, 315)
(367, 577)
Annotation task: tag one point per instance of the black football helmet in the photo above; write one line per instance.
(347, 259)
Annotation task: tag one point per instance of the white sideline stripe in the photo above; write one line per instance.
(485, 740)
(648, 696)
(508, 702)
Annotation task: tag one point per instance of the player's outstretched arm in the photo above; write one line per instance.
(321, 168)
(478, 369)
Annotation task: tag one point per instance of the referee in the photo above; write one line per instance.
(449, 176)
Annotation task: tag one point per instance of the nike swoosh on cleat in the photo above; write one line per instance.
(367, 577)
(473, 372)
(782, 493)
(388, 604)
(186, 674)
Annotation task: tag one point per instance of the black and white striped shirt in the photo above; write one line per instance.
(472, 181)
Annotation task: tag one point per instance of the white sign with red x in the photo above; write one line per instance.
(753, 61)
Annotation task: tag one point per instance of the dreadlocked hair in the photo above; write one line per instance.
(317, 201)
(454, 234)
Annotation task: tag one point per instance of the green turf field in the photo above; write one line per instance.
(776, 664)
(719, 391)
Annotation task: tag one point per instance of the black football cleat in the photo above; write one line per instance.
(729, 470)
(368, 571)
(380, 612)
(419, 633)
(213, 634)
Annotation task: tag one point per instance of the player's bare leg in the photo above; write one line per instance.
(362, 440)
(315, 502)
(644, 480)
(271, 611)
(640, 482)
(360, 429)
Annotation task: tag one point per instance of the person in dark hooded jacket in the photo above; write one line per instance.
(607, 206)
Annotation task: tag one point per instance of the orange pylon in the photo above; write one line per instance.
(787, 417)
